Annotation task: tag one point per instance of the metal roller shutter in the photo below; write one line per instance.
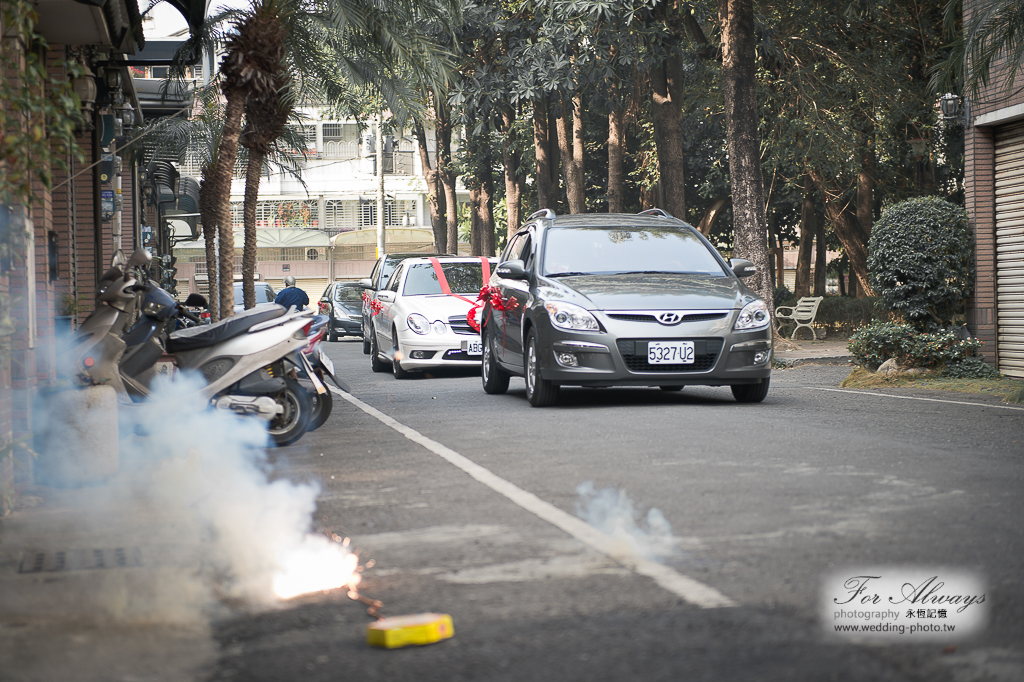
(1009, 170)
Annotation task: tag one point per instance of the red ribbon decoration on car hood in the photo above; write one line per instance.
(447, 290)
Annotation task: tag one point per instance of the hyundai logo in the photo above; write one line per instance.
(669, 319)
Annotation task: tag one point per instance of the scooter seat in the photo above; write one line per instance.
(194, 338)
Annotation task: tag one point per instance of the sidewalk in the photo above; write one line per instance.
(96, 586)
(829, 351)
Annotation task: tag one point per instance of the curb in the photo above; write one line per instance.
(824, 360)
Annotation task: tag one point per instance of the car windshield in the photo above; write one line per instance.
(348, 294)
(463, 278)
(588, 250)
(264, 294)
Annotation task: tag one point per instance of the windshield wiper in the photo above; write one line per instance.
(569, 274)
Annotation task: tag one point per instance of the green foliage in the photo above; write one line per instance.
(919, 261)
(845, 314)
(783, 296)
(876, 343)
(37, 122)
(970, 368)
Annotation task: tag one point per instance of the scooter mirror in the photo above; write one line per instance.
(140, 257)
(118, 260)
(197, 301)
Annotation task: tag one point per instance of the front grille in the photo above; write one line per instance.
(633, 318)
(459, 325)
(634, 354)
(641, 317)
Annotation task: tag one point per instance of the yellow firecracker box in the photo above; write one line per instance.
(399, 631)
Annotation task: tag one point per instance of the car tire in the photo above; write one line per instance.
(494, 378)
(332, 335)
(396, 365)
(376, 364)
(671, 389)
(539, 391)
(751, 393)
(366, 339)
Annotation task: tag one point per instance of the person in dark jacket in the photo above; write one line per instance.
(292, 295)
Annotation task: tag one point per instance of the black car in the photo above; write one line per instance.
(622, 300)
(342, 302)
(378, 280)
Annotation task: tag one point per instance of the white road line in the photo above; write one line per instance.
(678, 584)
(911, 397)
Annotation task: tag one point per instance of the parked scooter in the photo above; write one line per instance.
(242, 358)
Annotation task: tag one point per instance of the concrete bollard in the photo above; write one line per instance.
(77, 438)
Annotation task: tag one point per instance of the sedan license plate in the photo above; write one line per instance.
(670, 352)
(473, 347)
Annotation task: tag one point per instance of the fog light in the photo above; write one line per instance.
(567, 359)
(420, 354)
(761, 357)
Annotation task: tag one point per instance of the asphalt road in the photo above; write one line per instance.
(466, 505)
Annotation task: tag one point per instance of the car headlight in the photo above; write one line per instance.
(439, 327)
(753, 316)
(418, 323)
(339, 314)
(572, 317)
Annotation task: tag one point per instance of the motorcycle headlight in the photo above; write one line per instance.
(753, 316)
(572, 317)
(418, 323)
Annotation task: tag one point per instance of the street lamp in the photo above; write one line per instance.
(954, 109)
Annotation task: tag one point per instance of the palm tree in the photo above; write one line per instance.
(993, 30)
(262, 54)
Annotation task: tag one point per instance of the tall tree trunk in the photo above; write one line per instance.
(485, 206)
(667, 113)
(579, 175)
(865, 204)
(741, 118)
(435, 198)
(820, 259)
(476, 235)
(566, 148)
(616, 154)
(226, 154)
(253, 173)
(540, 151)
(515, 179)
(208, 216)
(848, 230)
(447, 176)
(802, 286)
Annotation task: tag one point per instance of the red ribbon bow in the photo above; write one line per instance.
(376, 307)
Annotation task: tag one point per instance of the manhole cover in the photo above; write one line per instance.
(40, 561)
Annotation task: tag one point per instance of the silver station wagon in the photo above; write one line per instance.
(621, 300)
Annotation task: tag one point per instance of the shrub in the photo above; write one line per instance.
(970, 368)
(919, 261)
(876, 343)
(842, 313)
(783, 296)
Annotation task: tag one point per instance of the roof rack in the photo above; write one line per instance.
(545, 213)
(657, 213)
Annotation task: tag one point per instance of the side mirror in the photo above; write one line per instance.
(512, 269)
(741, 267)
(366, 283)
(196, 301)
(140, 257)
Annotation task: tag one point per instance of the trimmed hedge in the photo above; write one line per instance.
(919, 261)
(876, 343)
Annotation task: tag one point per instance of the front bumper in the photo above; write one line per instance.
(619, 357)
(437, 350)
(344, 326)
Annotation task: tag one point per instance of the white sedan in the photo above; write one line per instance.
(419, 320)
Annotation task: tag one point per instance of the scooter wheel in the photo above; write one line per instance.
(322, 406)
(288, 427)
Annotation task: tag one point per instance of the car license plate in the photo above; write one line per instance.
(473, 347)
(326, 361)
(670, 353)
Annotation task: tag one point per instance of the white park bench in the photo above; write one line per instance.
(802, 314)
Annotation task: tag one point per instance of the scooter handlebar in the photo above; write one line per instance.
(186, 313)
